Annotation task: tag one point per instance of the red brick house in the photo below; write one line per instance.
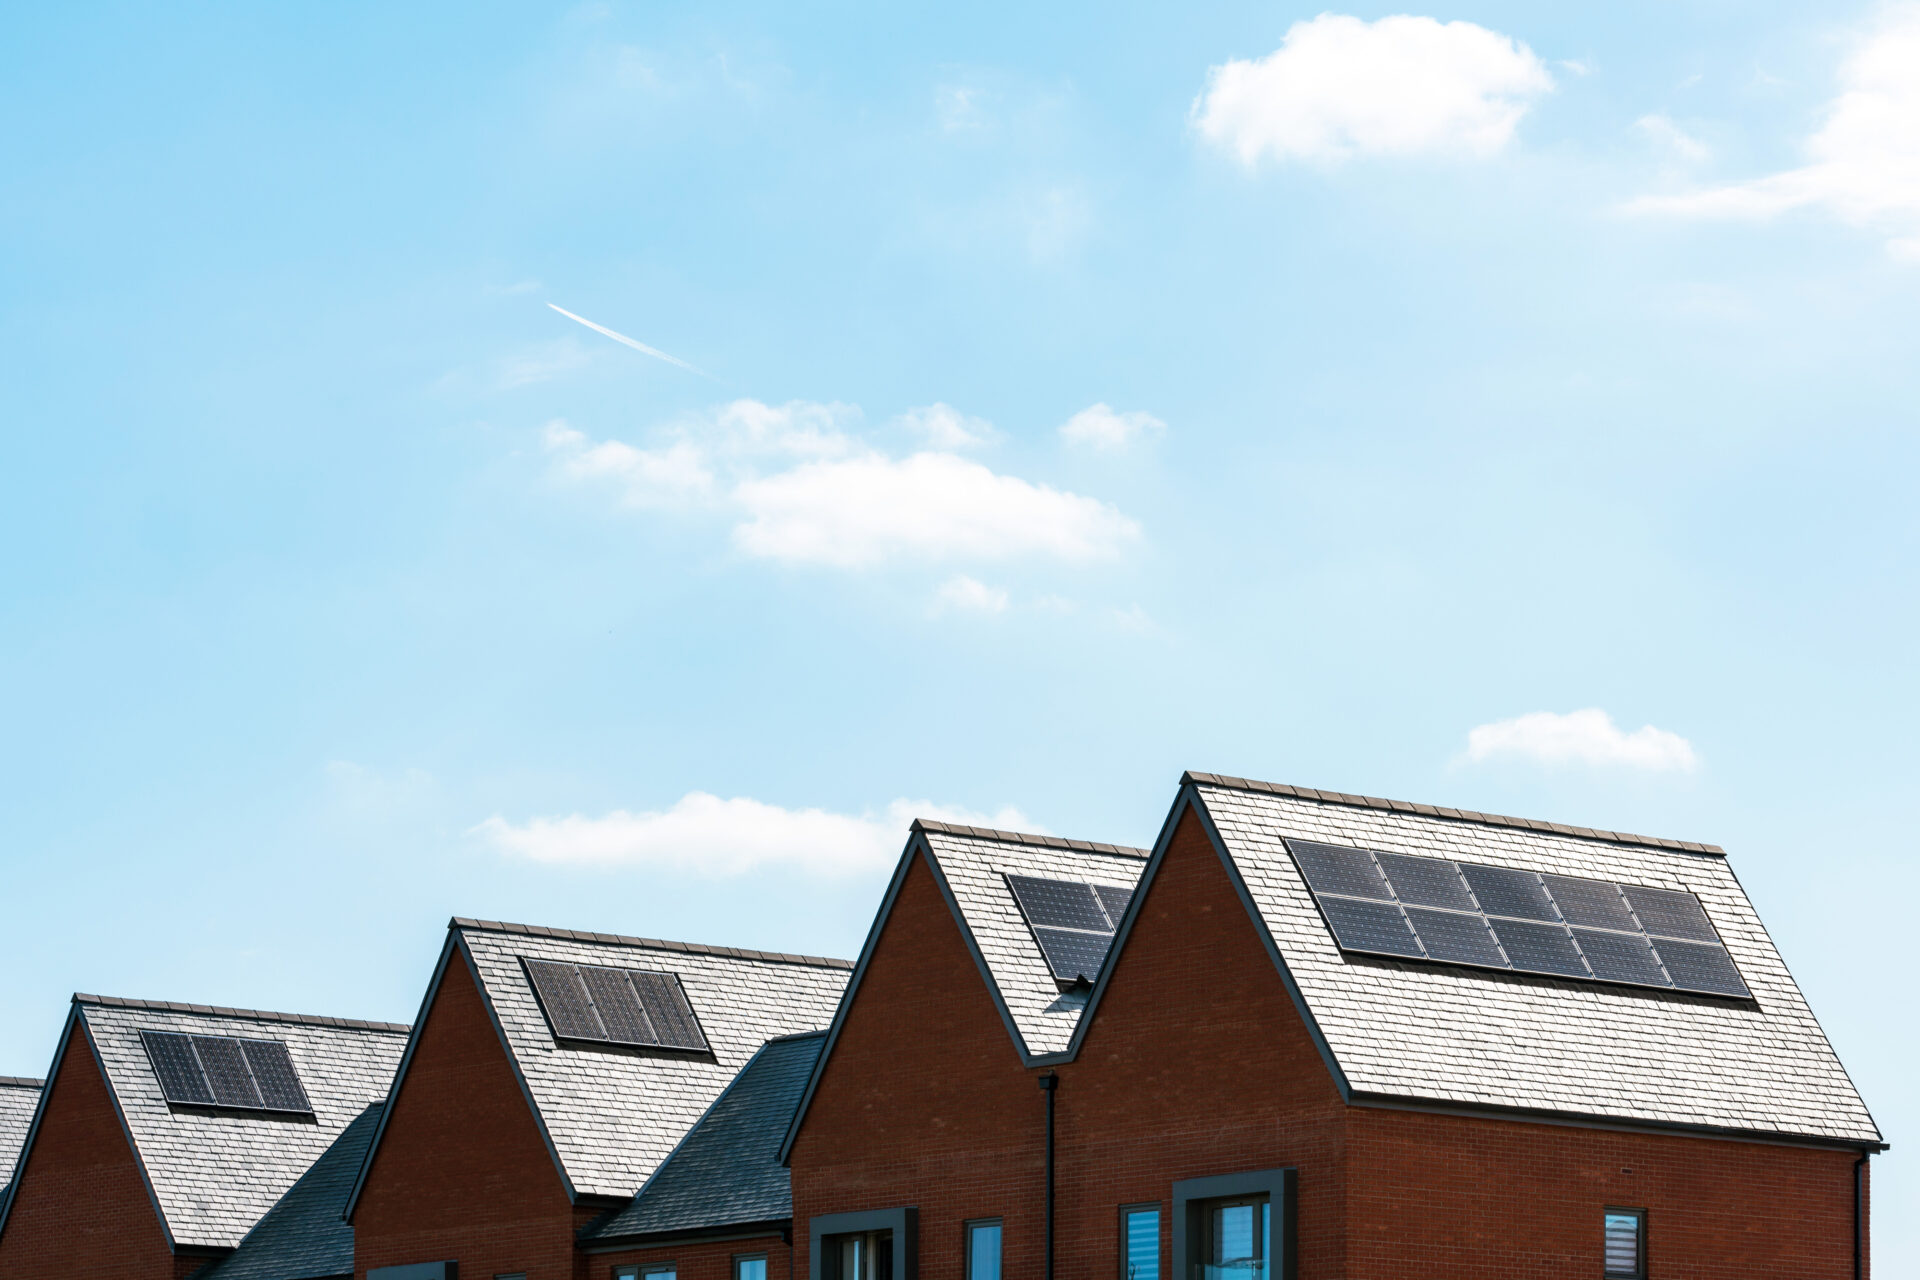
(19, 1099)
(1316, 1035)
(166, 1131)
(551, 1074)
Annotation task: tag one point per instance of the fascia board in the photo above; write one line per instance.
(39, 1111)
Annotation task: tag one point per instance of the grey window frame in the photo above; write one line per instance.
(1127, 1210)
(966, 1244)
(1279, 1186)
(1639, 1271)
(417, 1271)
(903, 1221)
(641, 1270)
(758, 1255)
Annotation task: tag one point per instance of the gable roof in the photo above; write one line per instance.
(303, 1236)
(611, 1115)
(213, 1174)
(726, 1173)
(19, 1099)
(1418, 1034)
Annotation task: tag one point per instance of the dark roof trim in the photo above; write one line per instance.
(33, 1126)
(1589, 1120)
(21, 1082)
(1456, 815)
(657, 944)
(1027, 1057)
(220, 1011)
(126, 1130)
(1024, 837)
(777, 1227)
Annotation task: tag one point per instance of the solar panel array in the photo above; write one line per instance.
(1073, 921)
(222, 1071)
(1396, 904)
(615, 1006)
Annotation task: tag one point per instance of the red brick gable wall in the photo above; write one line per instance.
(81, 1207)
(462, 1171)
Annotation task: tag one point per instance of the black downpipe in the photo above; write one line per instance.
(1859, 1252)
(1049, 1082)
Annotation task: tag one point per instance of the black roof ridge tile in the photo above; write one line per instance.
(21, 1082)
(222, 1011)
(797, 1035)
(1027, 837)
(654, 944)
(1192, 776)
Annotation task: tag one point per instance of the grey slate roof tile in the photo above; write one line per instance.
(18, 1099)
(727, 1170)
(614, 1114)
(216, 1175)
(1419, 1032)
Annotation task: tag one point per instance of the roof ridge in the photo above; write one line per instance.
(658, 944)
(1027, 837)
(797, 1035)
(222, 1011)
(21, 1082)
(1456, 815)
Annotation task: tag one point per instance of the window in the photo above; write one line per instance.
(983, 1249)
(871, 1244)
(652, 1271)
(510, 1275)
(1625, 1243)
(750, 1266)
(1238, 1239)
(1140, 1243)
(1235, 1226)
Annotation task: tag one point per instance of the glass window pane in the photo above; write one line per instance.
(749, 1269)
(1142, 1245)
(1623, 1244)
(983, 1251)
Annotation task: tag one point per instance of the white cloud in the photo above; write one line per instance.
(706, 835)
(942, 426)
(1580, 737)
(958, 108)
(931, 506)
(1668, 136)
(673, 476)
(961, 594)
(1098, 426)
(1338, 86)
(1863, 164)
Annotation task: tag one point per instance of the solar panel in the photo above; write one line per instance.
(227, 1073)
(1059, 904)
(1502, 891)
(1540, 948)
(1331, 869)
(175, 1066)
(564, 996)
(1698, 966)
(667, 1008)
(1113, 900)
(1669, 913)
(1074, 955)
(273, 1072)
(1370, 926)
(1621, 957)
(1426, 882)
(1456, 937)
(1595, 904)
(618, 1007)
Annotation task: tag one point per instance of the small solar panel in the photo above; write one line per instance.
(618, 1007)
(227, 1073)
(1701, 966)
(1370, 926)
(1502, 891)
(1114, 900)
(1059, 904)
(176, 1067)
(273, 1072)
(667, 1008)
(564, 996)
(1597, 904)
(1074, 954)
(1540, 948)
(1456, 937)
(1330, 868)
(1671, 913)
(1426, 882)
(1621, 957)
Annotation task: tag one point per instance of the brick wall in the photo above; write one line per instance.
(81, 1207)
(462, 1171)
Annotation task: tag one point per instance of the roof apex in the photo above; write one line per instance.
(656, 944)
(1028, 838)
(221, 1011)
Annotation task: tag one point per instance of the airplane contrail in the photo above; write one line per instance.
(655, 352)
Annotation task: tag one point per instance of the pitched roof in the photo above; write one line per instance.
(303, 1236)
(726, 1172)
(611, 1115)
(972, 864)
(213, 1175)
(19, 1098)
(1426, 1034)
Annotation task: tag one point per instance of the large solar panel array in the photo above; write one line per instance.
(615, 1006)
(1396, 904)
(220, 1071)
(1073, 921)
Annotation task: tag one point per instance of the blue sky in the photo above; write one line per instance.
(1515, 415)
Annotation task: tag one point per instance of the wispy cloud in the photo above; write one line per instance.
(961, 594)
(1863, 163)
(941, 426)
(703, 834)
(635, 343)
(1660, 129)
(1338, 86)
(1100, 426)
(541, 362)
(1580, 737)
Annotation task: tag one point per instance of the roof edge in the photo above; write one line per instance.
(1027, 837)
(1602, 1120)
(1439, 811)
(21, 1082)
(221, 1011)
(657, 944)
